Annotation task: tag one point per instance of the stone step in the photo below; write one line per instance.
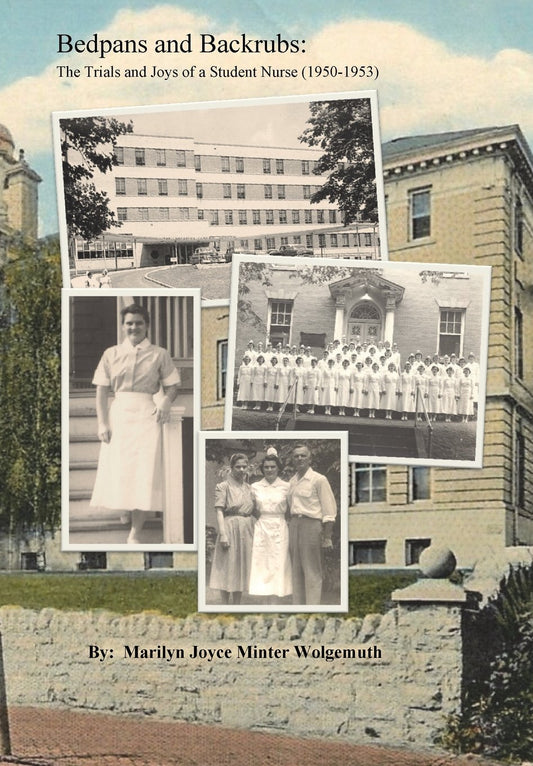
(83, 427)
(80, 511)
(82, 405)
(84, 450)
(82, 478)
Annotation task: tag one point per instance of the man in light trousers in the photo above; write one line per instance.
(312, 514)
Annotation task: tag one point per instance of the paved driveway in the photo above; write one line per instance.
(52, 737)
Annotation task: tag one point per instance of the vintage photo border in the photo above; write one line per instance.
(66, 295)
(307, 262)
(342, 438)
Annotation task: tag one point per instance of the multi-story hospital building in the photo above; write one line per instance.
(173, 195)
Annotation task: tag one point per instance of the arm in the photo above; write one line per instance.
(163, 406)
(102, 413)
(329, 511)
(221, 523)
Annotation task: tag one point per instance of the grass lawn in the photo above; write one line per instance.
(167, 594)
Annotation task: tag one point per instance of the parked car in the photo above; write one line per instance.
(205, 255)
(291, 250)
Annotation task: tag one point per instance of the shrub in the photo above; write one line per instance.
(497, 715)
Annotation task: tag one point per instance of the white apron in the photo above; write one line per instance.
(130, 467)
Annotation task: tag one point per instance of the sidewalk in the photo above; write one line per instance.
(51, 737)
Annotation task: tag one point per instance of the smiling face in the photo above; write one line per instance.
(301, 458)
(135, 328)
(270, 470)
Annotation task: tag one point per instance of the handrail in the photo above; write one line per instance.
(425, 413)
(293, 385)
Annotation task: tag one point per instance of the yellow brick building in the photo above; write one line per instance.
(18, 190)
(462, 197)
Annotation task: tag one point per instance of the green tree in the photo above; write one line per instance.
(30, 403)
(343, 130)
(87, 146)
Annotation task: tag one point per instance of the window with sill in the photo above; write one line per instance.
(414, 548)
(367, 483)
(420, 213)
(419, 483)
(367, 552)
(279, 321)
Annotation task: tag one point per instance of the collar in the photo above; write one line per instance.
(307, 475)
(145, 343)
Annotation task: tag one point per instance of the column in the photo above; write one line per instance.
(390, 308)
(340, 303)
(173, 478)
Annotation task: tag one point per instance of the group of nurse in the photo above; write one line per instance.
(350, 378)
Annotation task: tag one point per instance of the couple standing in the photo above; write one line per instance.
(273, 558)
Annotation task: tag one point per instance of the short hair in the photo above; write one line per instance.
(236, 457)
(135, 308)
(272, 457)
(302, 445)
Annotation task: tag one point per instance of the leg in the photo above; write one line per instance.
(137, 523)
(310, 540)
(298, 583)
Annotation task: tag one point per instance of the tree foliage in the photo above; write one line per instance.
(87, 146)
(30, 408)
(496, 717)
(343, 130)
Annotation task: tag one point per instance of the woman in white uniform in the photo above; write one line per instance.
(270, 573)
(130, 467)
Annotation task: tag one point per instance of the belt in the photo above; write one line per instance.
(236, 513)
(303, 516)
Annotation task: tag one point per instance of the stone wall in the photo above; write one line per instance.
(404, 679)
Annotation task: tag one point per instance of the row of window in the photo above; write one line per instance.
(180, 187)
(280, 330)
(226, 164)
(31, 561)
(100, 249)
(270, 217)
(243, 218)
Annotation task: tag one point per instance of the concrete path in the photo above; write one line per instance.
(52, 737)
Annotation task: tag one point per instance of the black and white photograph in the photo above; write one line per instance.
(393, 353)
(272, 522)
(164, 196)
(130, 396)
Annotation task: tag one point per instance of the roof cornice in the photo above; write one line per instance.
(508, 141)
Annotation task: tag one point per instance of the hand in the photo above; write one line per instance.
(224, 542)
(104, 434)
(327, 542)
(162, 410)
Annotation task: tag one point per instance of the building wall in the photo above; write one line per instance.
(473, 215)
(214, 332)
(314, 310)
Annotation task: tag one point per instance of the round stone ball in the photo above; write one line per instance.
(437, 562)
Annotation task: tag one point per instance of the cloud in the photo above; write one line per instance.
(424, 85)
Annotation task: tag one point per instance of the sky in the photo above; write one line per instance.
(442, 65)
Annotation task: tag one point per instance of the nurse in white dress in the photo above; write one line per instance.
(130, 467)
(270, 573)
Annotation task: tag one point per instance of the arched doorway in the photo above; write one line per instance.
(364, 323)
